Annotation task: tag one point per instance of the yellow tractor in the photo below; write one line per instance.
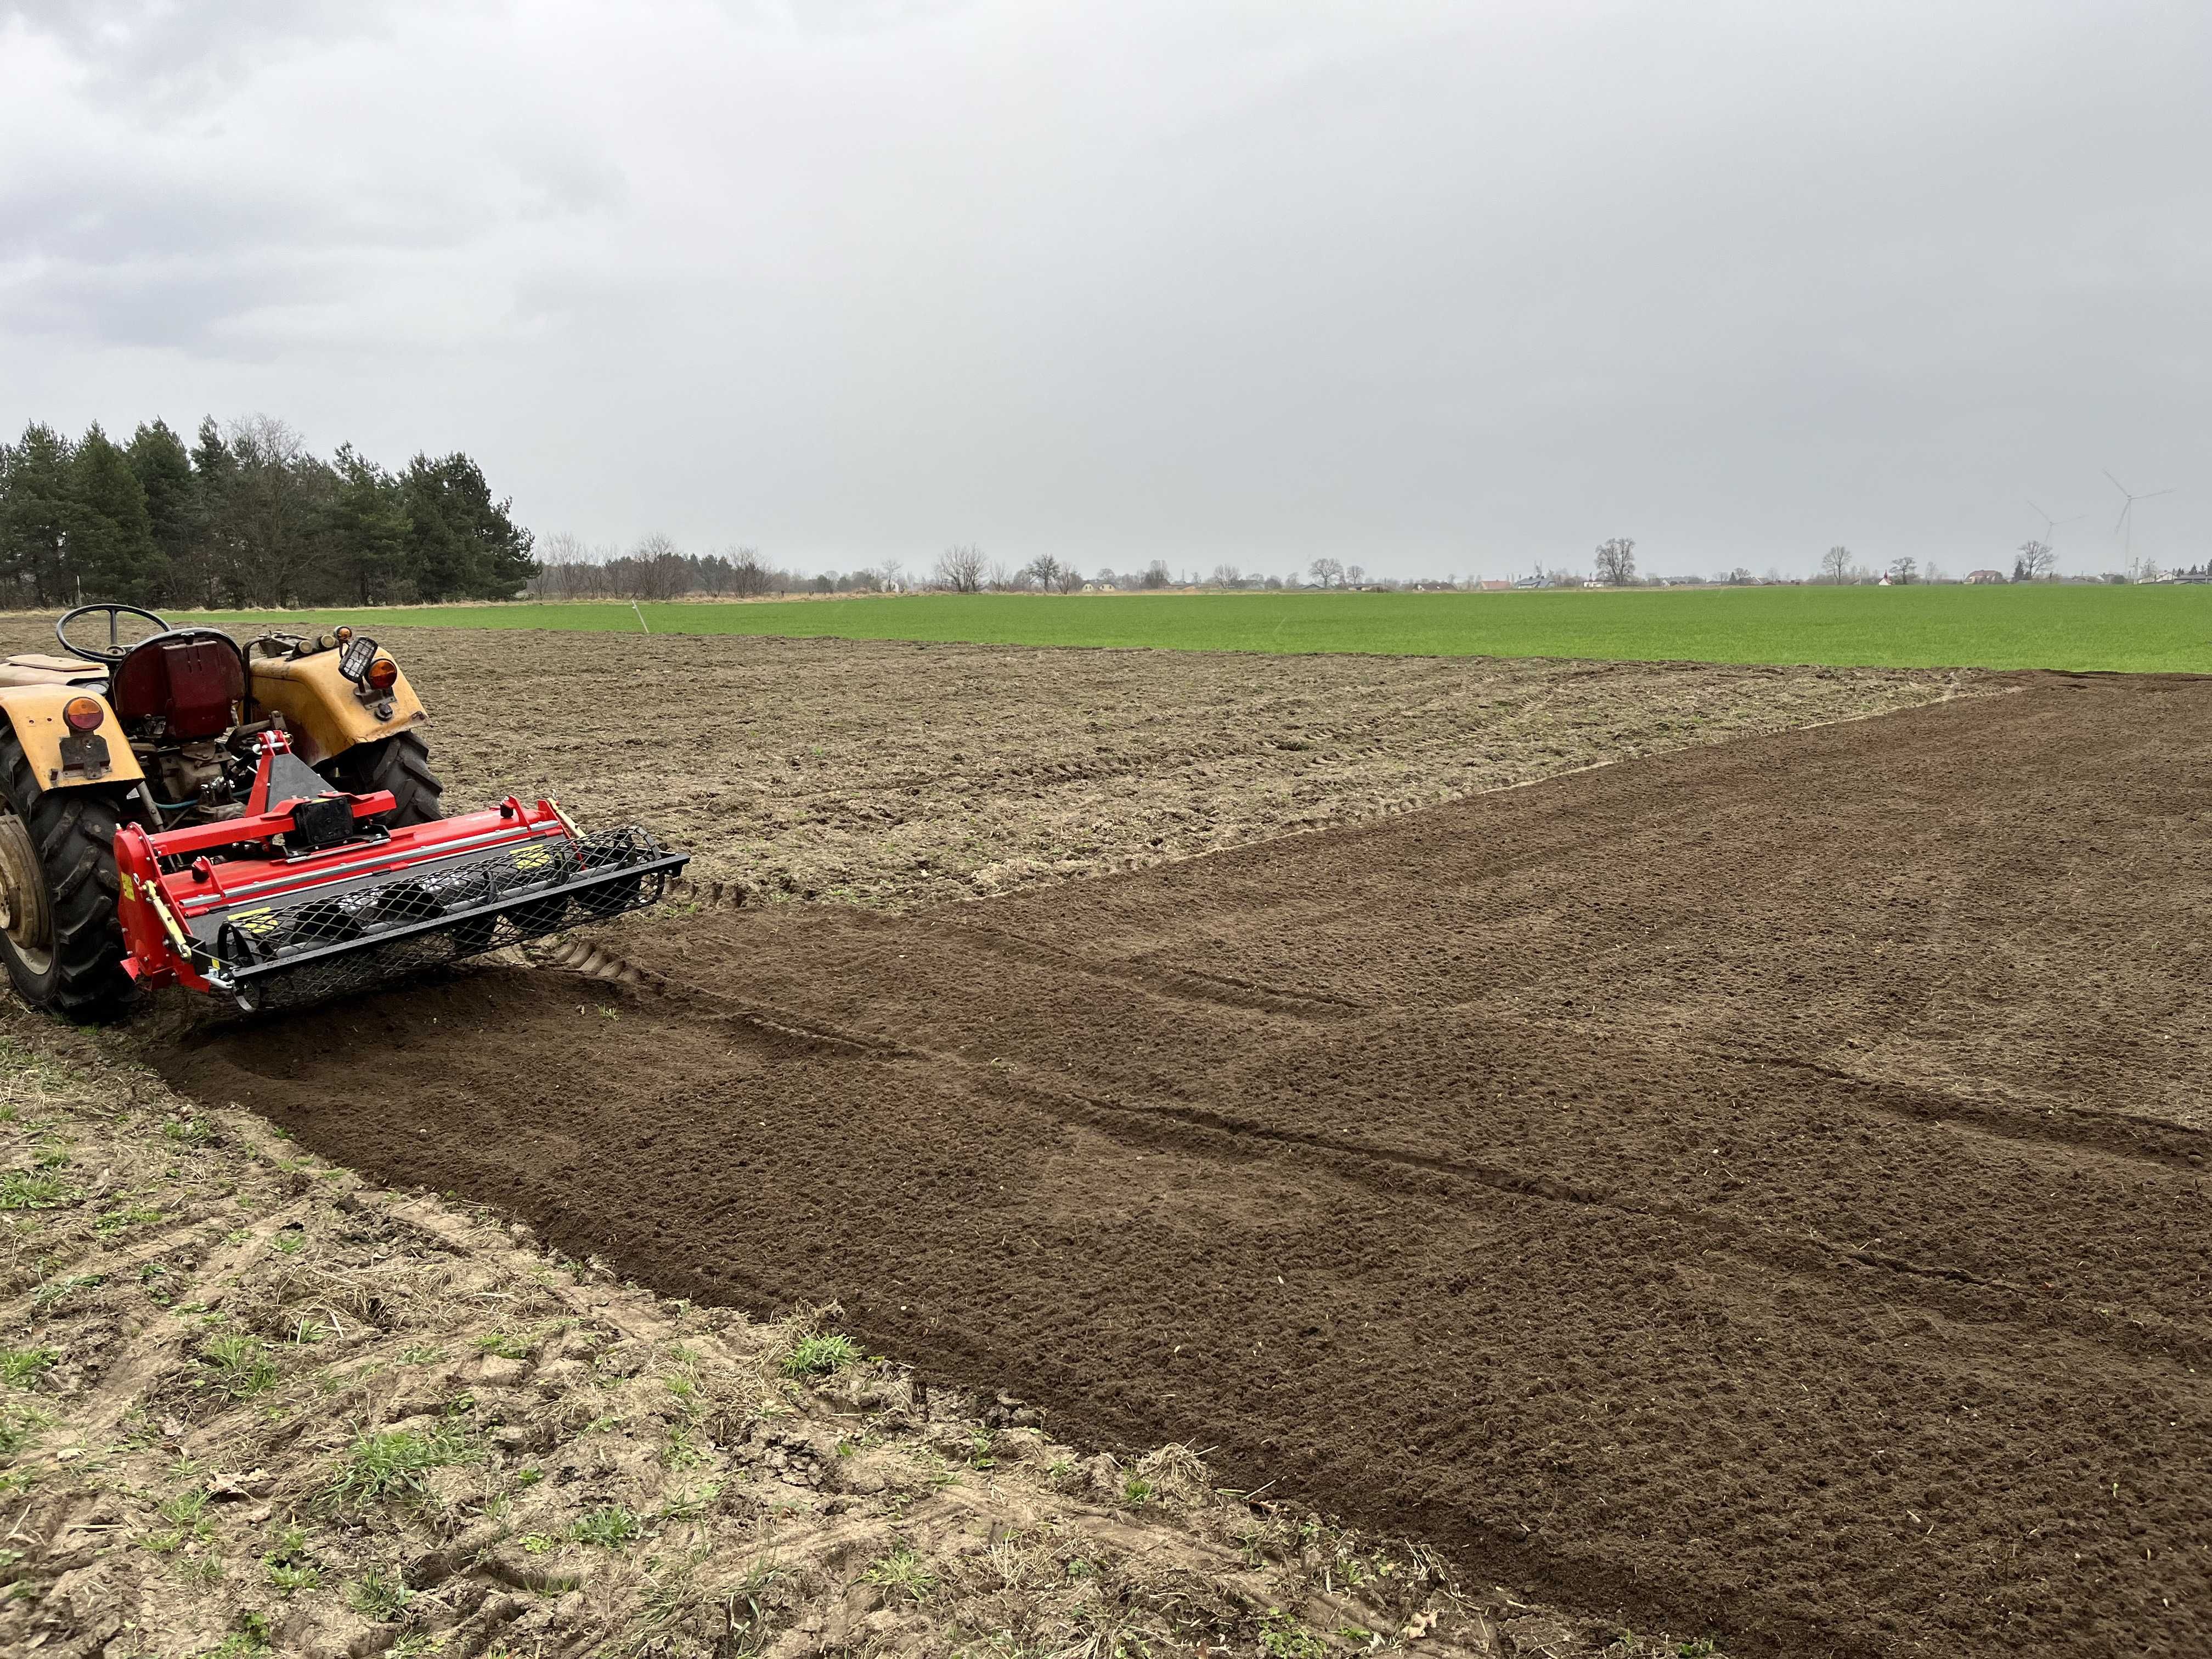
(259, 823)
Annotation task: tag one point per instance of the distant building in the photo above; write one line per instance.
(1985, 576)
(1497, 587)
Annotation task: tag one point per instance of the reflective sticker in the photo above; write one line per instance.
(257, 923)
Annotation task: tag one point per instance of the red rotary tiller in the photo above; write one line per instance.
(332, 900)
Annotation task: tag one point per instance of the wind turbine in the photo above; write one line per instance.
(2124, 526)
(2051, 525)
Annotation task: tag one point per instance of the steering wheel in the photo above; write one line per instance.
(117, 650)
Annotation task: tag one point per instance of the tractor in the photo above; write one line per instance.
(259, 823)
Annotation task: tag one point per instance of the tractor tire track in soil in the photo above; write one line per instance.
(1761, 1188)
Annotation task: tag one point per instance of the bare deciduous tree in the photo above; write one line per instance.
(2032, 561)
(1836, 563)
(962, 567)
(566, 567)
(658, 568)
(749, 577)
(1325, 572)
(1616, 561)
(1901, 569)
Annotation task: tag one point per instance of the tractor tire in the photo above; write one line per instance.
(60, 938)
(400, 763)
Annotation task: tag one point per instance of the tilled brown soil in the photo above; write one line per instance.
(889, 771)
(1762, 1187)
(892, 772)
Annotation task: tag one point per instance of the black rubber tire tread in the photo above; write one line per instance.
(74, 831)
(401, 763)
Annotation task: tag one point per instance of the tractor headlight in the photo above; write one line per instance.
(354, 661)
(383, 674)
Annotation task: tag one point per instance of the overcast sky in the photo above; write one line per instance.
(1431, 287)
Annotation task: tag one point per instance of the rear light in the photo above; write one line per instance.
(383, 674)
(83, 713)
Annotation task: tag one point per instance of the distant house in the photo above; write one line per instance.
(1497, 587)
(1985, 576)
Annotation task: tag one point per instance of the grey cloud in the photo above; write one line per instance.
(1452, 288)
(163, 55)
(834, 17)
(187, 310)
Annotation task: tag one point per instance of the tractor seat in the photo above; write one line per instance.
(37, 670)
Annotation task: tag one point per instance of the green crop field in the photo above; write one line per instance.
(2154, 629)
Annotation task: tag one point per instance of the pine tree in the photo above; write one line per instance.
(461, 543)
(248, 515)
(204, 578)
(164, 470)
(111, 549)
(36, 515)
(368, 522)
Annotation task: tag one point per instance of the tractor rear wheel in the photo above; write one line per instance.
(59, 935)
(400, 763)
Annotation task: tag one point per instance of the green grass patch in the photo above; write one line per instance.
(2144, 629)
(609, 1528)
(819, 1355)
(22, 1367)
(237, 1364)
(393, 1466)
(18, 1426)
(20, 1189)
(116, 1221)
(379, 1594)
(902, 1574)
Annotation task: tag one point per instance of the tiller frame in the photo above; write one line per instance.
(305, 895)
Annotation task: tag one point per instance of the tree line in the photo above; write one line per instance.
(657, 569)
(245, 516)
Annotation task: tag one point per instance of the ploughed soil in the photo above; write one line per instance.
(889, 772)
(1760, 1189)
(250, 1404)
(209, 1343)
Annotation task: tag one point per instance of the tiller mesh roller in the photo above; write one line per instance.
(307, 896)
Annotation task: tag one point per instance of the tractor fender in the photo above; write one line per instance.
(323, 714)
(61, 758)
